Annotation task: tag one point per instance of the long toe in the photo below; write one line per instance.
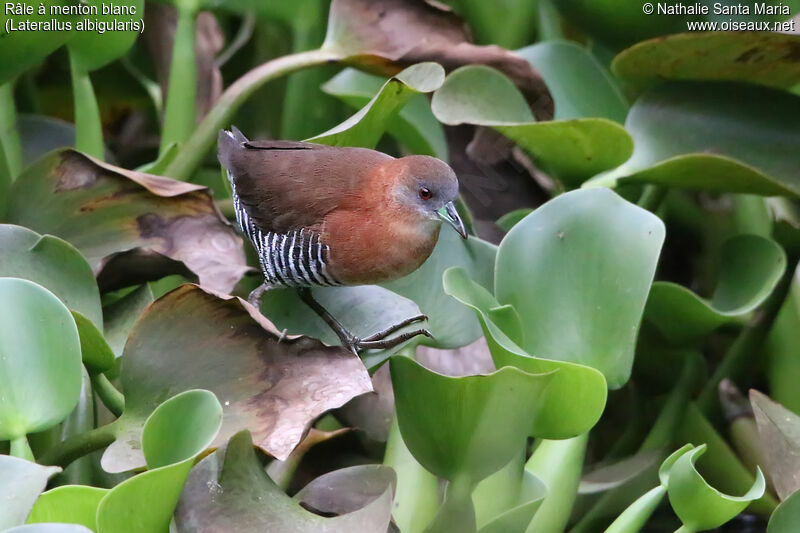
(395, 327)
(384, 344)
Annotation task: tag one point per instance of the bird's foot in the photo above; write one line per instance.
(378, 341)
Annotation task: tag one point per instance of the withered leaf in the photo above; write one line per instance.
(385, 36)
(779, 435)
(104, 210)
(273, 386)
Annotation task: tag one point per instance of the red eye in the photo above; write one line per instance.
(425, 193)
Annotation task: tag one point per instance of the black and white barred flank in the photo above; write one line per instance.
(294, 259)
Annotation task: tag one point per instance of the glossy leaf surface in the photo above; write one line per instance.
(22, 482)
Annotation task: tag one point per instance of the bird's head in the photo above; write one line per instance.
(428, 186)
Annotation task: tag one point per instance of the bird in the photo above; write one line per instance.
(321, 215)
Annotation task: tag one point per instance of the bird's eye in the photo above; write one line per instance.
(425, 193)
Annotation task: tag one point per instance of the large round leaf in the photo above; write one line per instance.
(73, 504)
(230, 491)
(578, 270)
(40, 359)
(754, 57)
(21, 50)
(786, 516)
(576, 396)
(274, 386)
(579, 84)
(94, 49)
(464, 427)
(110, 213)
(750, 268)
(174, 435)
(22, 482)
(722, 137)
(572, 150)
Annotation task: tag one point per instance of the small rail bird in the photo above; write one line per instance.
(321, 216)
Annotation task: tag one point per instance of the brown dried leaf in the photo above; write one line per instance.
(779, 435)
(104, 210)
(275, 387)
(387, 35)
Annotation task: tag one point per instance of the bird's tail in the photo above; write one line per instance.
(227, 143)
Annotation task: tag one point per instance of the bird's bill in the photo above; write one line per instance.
(449, 214)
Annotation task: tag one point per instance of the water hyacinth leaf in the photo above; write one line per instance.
(779, 434)
(348, 489)
(40, 359)
(509, 24)
(466, 427)
(175, 433)
(103, 210)
(579, 84)
(22, 50)
(95, 351)
(572, 150)
(366, 127)
(273, 387)
(750, 268)
(22, 482)
(509, 220)
(713, 136)
(93, 49)
(517, 518)
(72, 504)
(54, 264)
(414, 126)
(385, 35)
(553, 418)
(230, 491)
(121, 316)
(699, 505)
(767, 58)
(786, 516)
(589, 256)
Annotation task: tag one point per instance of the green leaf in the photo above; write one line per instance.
(779, 435)
(510, 219)
(699, 505)
(40, 359)
(128, 224)
(22, 482)
(753, 57)
(553, 417)
(230, 491)
(366, 127)
(571, 150)
(54, 264)
(719, 137)
(176, 432)
(586, 257)
(750, 268)
(466, 427)
(782, 365)
(414, 126)
(786, 516)
(176, 345)
(93, 49)
(73, 504)
(22, 50)
(579, 84)
(122, 315)
(509, 24)
(517, 518)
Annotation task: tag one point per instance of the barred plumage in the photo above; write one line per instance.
(297, 258)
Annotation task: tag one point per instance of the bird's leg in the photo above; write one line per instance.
(353, 343)
(255, 297)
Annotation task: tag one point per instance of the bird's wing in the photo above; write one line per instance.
(287, 185)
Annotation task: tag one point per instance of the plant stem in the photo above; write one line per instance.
(558, 463)
(746, 347)
(684, 529)
(205, 133)
(652, 197)
(20, 448)
(109, 395)
(457, 512)
(180, 112)
(416, 497)
(673, 411)
(79, 445)
(88, 126)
